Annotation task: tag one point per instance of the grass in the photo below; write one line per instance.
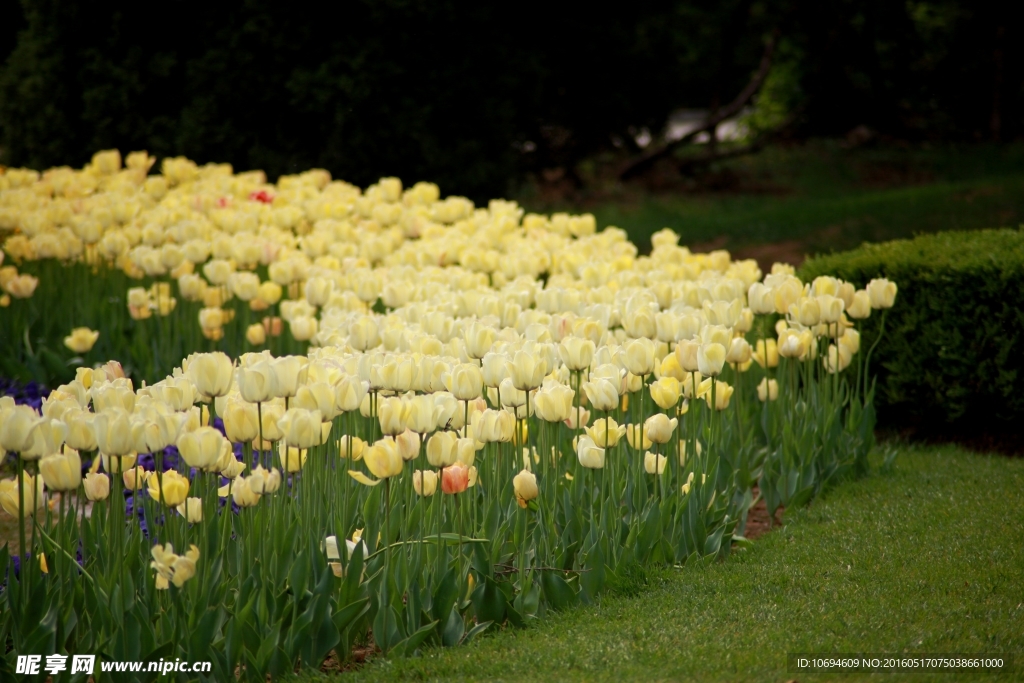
(924, 559)
(818, 197)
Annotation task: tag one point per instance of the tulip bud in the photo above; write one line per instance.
(97, 486)
(454, 479)
(723, 392)
(768, 390)
(524, 485)
(351, 446)
(63, 471)
(665, 392)
(424, 482)
(710, 359)
(211, 373)
(553, 402)
(686, 354)
(383, 459)
(589, 454)
(301, 428)
(172, 486)
(191, 510)
(654, 463)
(882, 293)
(442, 449)
(10, 498)
(81, 339)
(256, 335)
(202, 448)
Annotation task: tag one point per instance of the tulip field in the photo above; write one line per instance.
(290, 420)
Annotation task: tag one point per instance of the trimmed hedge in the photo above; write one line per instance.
(950, 358)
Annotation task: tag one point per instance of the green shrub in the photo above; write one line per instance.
(950, 358)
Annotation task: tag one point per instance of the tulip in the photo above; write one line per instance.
(357, 446)
(393, 414)
(606, 432)
(838, 358)
(509, 396)
(170, 488)
(686, 354)
(787, 293)
(766, 353)
(454, 479)
(115, 395)
(263, 481)
(723, 392)
(492, 426)
(134, 478)
(850, 340)
(303, 327)
(81, 339)
(349, 393)
(424, 482)
(241, 421)
(272, 414)
(553, 402)
(761, 299)
(710, 359)
(114, 464)
(34, 499)
(442, 449)
(578, 419)
(524, 485)
(97, 486)
(317, 396)
(527, 371)
(739, 351)
(16, 430)
(637, 356)
(831, 308)
(301, 428)
(860, 306)
(494, 368)
(211, 373)
(768, 390)
(255, 382)
(654, 463)
(202, 448)
(63, 471)
(287, 372)
(383, 459)
(479, 340)
(601, 394)
(292, 459)
(256, 334)
(465, 381)
(637, 437)
(191, 510)
(241, 492)
(589, 454)
(160, 430)
(806, 311)
(659, 427)
(666, 392)
(792, 344)
(576, 353)
(882, 293)
(408, 444)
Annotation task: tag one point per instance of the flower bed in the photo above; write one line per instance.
(436, 418)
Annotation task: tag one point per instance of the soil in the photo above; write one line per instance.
(758, 521)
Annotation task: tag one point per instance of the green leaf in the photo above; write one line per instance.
(558, 593)
(489, 602)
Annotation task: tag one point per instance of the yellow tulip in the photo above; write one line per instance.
(589, 454)
(524, 485)
(191, 510)
(383, 459)
(173, 486)
(665, 392)
(424, 482)
(768, 390)
(659, 428)
(882, 293)
(34, 499)
(97, 486)
(81, 339)
(301, 428)
(654, 463)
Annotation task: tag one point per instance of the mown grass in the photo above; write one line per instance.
(821, 196)
(925, 559)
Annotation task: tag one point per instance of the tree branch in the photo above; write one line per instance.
(647, 160)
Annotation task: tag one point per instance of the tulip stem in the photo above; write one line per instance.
(21, 524)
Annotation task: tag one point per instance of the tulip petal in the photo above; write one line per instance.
(362, 478)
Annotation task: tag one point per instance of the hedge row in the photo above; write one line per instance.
(950, 358)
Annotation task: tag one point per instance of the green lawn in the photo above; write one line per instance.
(820, 197)
(925, 559)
